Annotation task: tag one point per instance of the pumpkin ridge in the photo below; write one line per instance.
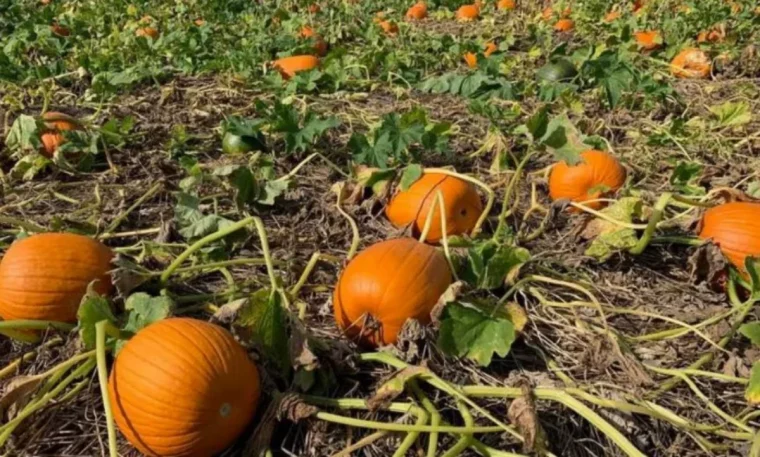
(389, 286)
(190, 413)
(203, 348)
(146, 361)
(421, 271)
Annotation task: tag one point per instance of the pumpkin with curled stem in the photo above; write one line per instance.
(387, 284)
(691, 63)
(289, 66)
(417, 12)
(55, 123)
(183, 388)
(45, 276)
(597, 174)
(735, 229)
(460, 200)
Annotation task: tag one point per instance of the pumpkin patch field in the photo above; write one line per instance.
(395, 228)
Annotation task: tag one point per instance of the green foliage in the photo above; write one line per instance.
(141, 311)
(477, 85)
(192, 222)
(732, 114)
(489, 264)
(468, 331)
(410, 175)
(558, 135)
(685, 178)
(608, 237)
(93, 309)
(265, 321)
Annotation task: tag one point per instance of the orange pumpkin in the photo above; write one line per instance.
(51, 137)
(490, 49)
(612, 16)
(506, 5)
(320, 45)
(471, 60)
(467, 13)
(716, 35)
(45, 276)
(691, 63)
(60, 30)
(387, 284)
(289, 66)
(147, 32)
(314, 8)
(597, 174)
(735, 229)
(548, 13)
(564, 25)
(417, 12)
(389, 27)
(183, 388)
(648, 39)
(461, 203)
(638, 5)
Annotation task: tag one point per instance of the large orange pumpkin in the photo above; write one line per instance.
(289, 66)
(387, 284)
(45, 276)
(52, 137)
(417, 11)
(598, 173)
(183, 388)
(506, 5)
(648, 39)
(735, 229)
(467, 13)
(691, 63)
(461, 203)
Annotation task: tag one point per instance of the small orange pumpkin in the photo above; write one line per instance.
(716, 35)
(467, 13)
(389, 27)
(289, 66)
(417, 12)
(389, 282)
(648, 39)
(461, 203)
(735, 229)
(52, 138)
(597, 174)
(490, 49)
(314, 8)
(147, 32)
(60, 30)
(471, 60)
(564, 25)
(548, 13)
(691, 63)
(320, 45)
(506, 5)
(612, 16)
(183, 388)
(45, 276)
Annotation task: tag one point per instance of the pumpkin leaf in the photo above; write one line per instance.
(752, 394)
(731, 114)
(488, 265)
(192, 222)
(752, 332)
(467, 331)
(264, 323)
(411, 174)
(753, 189)
(752, 266)
(93, 309)
(685, 178)
(23, 135)
(609, 238)
(143, 310)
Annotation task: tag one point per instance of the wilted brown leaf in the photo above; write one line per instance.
(394, 387)
(18, 391)
(522, 414)
(450, 295)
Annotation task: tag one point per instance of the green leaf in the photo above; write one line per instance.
(272, 189)
(538, 124)
(410, 175)
(23, 135)
(191, 220)
(751, 331)
(489, 265)
(752, 267)
(609, 238)
(753, 189)
(685, 177)
(466, 331)
(752, 394)
(564, 140)
(93, 309)
(265, 321)
(731, 114)
(143, 310)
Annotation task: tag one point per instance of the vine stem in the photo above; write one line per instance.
(393, 427)
(465, 440)
(477, 182)
(366, 441)
(511, 185)
(580, 289)
(654, 219)
(28, 324)
(26, 225)
(439, 201)
(214, 265)
(355, 238)
(411, 437)
(305, 274)
(435, 415)
(265, 249)
(11, 367)
(143, 198)
(100, 347)
(308, 159)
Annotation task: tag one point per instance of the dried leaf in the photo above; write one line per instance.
(18, 391)
(394, 387)
(517, 315)
(522, 414)
(450, 295)
(610, 237)
(708, 264)
(301, 354)
(128, 276)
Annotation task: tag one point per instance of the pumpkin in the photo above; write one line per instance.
(45, 276)
(735, 229)
(51, 137)
(557, 70)
(490, 49)
(548, 13)
(183, 388)
(147, 32)
(506, 5)
(691, 63)
(289, 66)
(461, 203)
(417, 11)
(60, 30)
(471, 60)
(387, 284)
(389, 27)
(648, 39)
(314, 8)
(467, 13)
(612, 16)
(716, 35)
(638, 5)
(564, 25)
(597, 174)
(320, 45)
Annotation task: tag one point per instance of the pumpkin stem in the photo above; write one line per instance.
(100, 348)
(435, 415)
(477, 182)
(511, 185)
(354, 228)
(308, 159)
(654, 219)
(120, 218)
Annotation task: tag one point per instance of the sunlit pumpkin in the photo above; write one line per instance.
(45, 276)
(648, 39)
(461, 203)
(506, 5)
(612, 16)
(60, 30)
(289, 66)
(389, 27)
(51, 137)
(387, 284)
(147, 32)
(417, 12)
(691, 63)
(183, 388)
(564, 25)
(735, 229)
(597, 174)
(467, 13)
(490, 49)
